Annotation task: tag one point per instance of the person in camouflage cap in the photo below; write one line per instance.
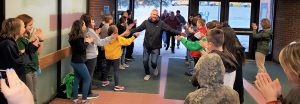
(209, 74)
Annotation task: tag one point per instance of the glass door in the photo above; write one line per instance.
(238, 13)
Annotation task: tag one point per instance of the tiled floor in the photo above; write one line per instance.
(109, 97)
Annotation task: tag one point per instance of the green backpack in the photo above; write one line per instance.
(68, 81)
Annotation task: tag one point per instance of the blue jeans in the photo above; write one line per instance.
(123, 55)
(154, 53)
(81, 72)
(191, 61)
(164, 37)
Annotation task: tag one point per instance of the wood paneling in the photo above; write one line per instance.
(54, 57)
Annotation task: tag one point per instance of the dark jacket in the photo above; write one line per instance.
(78, 49)
(10, 57)
(228, 59)
(153, 34)
(263, 38)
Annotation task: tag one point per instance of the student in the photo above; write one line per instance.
(92, 49)
(215, 41)
(122, 25)
(233, 45)
(79, 43)
(113, 52)
(12, 29)
(209, 73)
(31, 67)
(263, 38)
(193, 45)
(289, 59)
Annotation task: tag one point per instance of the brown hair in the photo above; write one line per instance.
(265, 23)
(289, 59)
(216, 36)
(112, 30)
(107, 18)
(76, 30)
(211, 25)
(201, 21)
(25, 18)
(11, 28)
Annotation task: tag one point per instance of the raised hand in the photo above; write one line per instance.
(178, 37)
(137, 34)
(183, 34)
(129, 27)
(16, 92)
(204, 44)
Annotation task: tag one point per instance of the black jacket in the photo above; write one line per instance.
(78, 49)
(153, 34)
(228, 59)
(10, 56)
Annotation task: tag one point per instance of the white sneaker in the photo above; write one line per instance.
(155, 72)
(121, 67)
(147, 77)
(125, 65)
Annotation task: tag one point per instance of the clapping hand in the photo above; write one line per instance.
(268, 88)
(89, 40)
(137, 34)
(15, 92)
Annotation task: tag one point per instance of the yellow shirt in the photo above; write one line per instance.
(113, 50)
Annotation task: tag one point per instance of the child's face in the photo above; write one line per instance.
(22, 30)
(93, 23)
(29, 26)
(83, 27)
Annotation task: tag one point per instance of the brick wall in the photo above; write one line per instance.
(287, 21)
(96, 8)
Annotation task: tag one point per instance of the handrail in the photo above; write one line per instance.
(54, 57)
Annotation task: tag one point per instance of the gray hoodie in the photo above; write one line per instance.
(92, 49)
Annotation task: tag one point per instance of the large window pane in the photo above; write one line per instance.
(142, 9)
(123, 5)
(210, 10)
(239, 14)
(174, 5)
(244, 40)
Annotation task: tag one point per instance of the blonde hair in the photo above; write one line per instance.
(201, 21)
(289, 59)
(265, 23)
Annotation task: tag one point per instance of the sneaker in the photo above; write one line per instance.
(119, 88)
(105, 83)
(92, 96)
(86, 102)
(155, 72)
(75, 101)
(125, 65)
(188, 73)
(147, 77)
(121, 67)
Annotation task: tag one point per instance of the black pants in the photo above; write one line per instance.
(172, 36)
(101, 64)
(195, 60)
(115, 65)
(129, 51)
(238, 84)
